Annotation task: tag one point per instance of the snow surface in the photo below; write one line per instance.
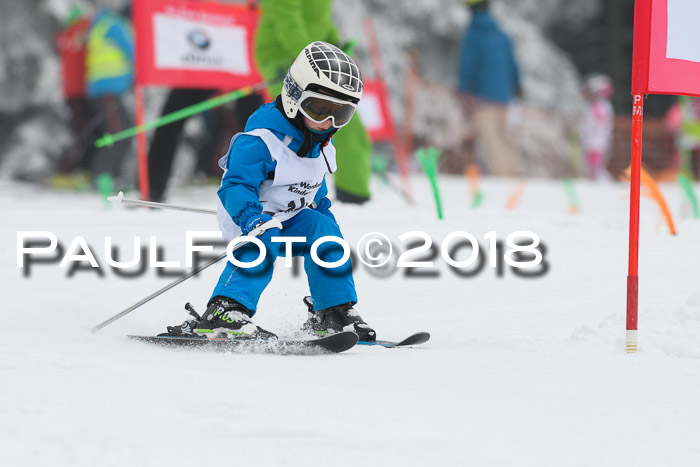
(518, 371)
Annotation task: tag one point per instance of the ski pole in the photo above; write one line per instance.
(156, 294)
(109, 139)
(119, 199)
(274, 223)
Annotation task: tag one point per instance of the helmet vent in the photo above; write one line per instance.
(337, 66)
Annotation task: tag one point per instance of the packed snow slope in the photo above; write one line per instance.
(519, 371)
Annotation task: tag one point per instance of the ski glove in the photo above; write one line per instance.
(324, 207)
(255, 221)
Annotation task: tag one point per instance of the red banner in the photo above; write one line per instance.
(374, 111)
(195, 44)
(666, 57)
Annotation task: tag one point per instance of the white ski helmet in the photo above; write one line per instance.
(322, 67)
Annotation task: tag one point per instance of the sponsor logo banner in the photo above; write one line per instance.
(195, 44)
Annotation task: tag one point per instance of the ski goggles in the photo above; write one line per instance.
(320, 107)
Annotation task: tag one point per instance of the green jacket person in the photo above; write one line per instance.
(286, 27)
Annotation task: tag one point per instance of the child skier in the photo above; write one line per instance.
(597, 125)
(276, 170)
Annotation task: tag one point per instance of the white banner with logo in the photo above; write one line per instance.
(181, 43)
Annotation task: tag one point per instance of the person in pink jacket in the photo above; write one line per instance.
(597, 125)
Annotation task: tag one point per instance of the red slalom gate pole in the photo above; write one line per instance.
(396, 143)
(409, 101)
(635, 176)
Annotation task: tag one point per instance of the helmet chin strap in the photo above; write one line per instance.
(311, 137)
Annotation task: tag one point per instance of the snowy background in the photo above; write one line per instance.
(34, 120)
(518, 371)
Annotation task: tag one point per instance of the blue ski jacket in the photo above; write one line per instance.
(250, 164)
(487, 66)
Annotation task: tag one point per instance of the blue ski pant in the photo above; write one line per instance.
(328, 286)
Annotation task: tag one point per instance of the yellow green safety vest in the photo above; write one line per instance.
(104, 59)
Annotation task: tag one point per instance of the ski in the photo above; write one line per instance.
(414, 339)
(333, 343)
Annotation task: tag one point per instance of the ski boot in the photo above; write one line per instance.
(224, 317)
(337, 318)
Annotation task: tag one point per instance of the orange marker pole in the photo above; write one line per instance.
(473, 175)
(656, 194)
(515, 196)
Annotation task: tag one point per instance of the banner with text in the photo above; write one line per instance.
(666, 58)
(374, 111)
(195, 44)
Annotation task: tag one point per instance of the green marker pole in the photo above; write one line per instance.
(690, 130)
(105, 186)
(571, 195)
(428, 159)
(682, 135)
(380, 168)
(477, 199)
(687, 186)
(109, 139)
